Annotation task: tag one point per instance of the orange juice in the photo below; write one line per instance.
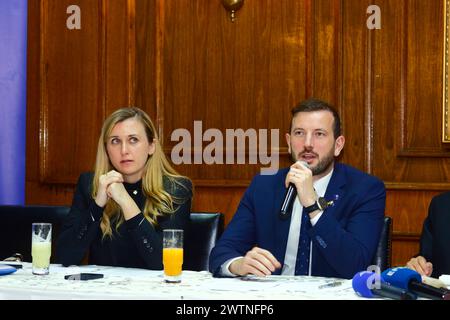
(172, 260)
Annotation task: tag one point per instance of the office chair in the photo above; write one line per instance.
(200, 237)
(383, 255)
(16, 227)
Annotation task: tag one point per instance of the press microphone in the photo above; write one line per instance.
(363, 281)
(289, 198)
(411, 280)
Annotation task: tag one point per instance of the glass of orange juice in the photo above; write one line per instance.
(172, 254)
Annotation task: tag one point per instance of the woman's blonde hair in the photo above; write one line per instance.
(158, 201)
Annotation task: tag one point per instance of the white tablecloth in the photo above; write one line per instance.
(127, 283)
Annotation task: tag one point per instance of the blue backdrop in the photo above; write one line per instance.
(13, 59)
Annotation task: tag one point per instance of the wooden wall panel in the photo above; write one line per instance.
(387, 89)
(353, 107)
(184, 60)
(120, 67)
(218, 199)
(325, 46)
(246, 74)
(408, 208)
(423, 64)
(71, 62)
(406, 105)
(147, 48)
(83, 75)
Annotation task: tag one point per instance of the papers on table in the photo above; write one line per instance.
(279, 287)
(130, 283)
(445, 278)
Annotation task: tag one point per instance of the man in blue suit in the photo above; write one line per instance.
(334, 226)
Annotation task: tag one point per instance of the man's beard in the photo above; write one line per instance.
(323, 165)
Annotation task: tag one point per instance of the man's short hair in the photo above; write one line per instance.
(311, 105)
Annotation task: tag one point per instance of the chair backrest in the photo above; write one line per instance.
(383, 255)
(201, 236)
(15, 236)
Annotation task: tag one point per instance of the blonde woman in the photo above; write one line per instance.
(119, 211)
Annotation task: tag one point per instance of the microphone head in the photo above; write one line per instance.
(289, 197)
(400, 277)
(362, 282)
(305, 164)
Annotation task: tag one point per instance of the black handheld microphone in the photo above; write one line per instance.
(289, 198)
(411, 280)
(364, 280)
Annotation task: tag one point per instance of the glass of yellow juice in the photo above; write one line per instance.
(172, 255)
(41, 247)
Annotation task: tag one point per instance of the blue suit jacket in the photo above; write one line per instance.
(344, 239)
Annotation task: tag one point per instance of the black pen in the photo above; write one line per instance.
(11, 264)
(331, 284)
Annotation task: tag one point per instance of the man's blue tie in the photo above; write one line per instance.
(302, 264)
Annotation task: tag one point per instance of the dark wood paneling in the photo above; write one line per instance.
(33, 98)
(387, 89)
(82, 76)
(326, 47)
(353, 105)
(71, 88)
(408, 209)
(146, 62)
(184, 60)
(246, 74)
(214, 199)
(119, 44)
(423, 64)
